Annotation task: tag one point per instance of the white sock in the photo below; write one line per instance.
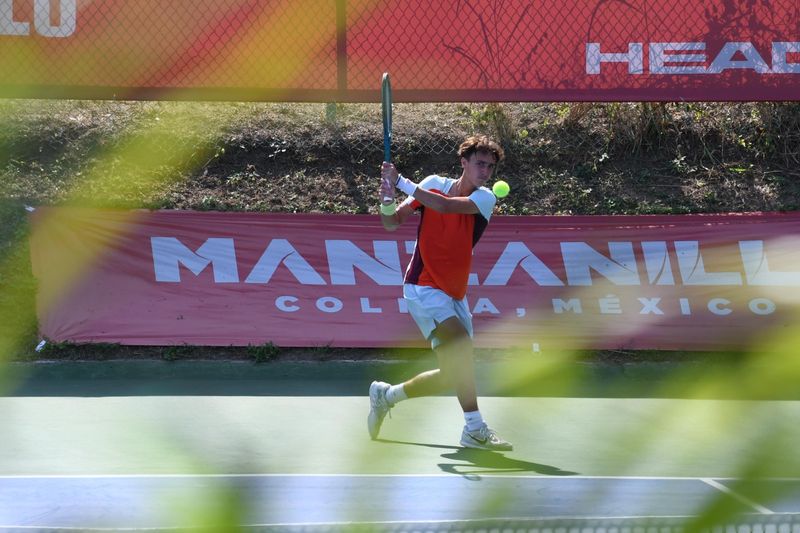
(395, 394)
(474, 420)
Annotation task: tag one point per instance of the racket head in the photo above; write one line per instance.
(386, 109)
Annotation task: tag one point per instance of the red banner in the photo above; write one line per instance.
(450, 50)
(699, 282)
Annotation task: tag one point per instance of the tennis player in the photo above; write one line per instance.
(454, 214)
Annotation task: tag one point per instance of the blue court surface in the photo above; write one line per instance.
(273, 500)
(182, 451)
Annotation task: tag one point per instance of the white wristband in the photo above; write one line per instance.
(405, 185)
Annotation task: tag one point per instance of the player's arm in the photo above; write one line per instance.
(392, 222)
(437, 202)
(445, 204)
(387, 196)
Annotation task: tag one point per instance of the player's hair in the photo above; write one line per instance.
(482, 144)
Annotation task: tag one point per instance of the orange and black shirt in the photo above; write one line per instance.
(442, 255)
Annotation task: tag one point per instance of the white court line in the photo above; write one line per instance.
(742, 499)
(711, 482)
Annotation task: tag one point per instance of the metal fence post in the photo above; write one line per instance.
(341, 46)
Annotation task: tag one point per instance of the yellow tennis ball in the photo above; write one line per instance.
(501, 188)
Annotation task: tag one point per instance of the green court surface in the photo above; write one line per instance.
(121, 445)
(327, 435)
(310, 419)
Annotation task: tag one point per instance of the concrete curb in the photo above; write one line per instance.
(510, 377)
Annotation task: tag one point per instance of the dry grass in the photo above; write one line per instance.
(563, 158)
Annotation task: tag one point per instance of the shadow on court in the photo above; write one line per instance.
(472, 463)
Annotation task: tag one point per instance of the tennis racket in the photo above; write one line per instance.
(386, 105)
(386, 110)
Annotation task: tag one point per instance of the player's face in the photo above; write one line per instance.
(478, 167)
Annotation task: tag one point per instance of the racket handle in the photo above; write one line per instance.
(387, 199)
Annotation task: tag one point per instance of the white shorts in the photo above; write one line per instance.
(430, 307)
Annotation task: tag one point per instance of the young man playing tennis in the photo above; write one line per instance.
(454, 214)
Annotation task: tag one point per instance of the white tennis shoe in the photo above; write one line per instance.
(378, 407)
(484, 438)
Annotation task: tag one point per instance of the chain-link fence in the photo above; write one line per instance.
(452, 50)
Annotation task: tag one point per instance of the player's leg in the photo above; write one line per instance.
(453, 347)
(456, 362)
(427, 383)
(379, 407)
(457, 365)
(383, 396)
(456, 368)
(441, 321)
(456, 356)
(427, 306)
(447, 323)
